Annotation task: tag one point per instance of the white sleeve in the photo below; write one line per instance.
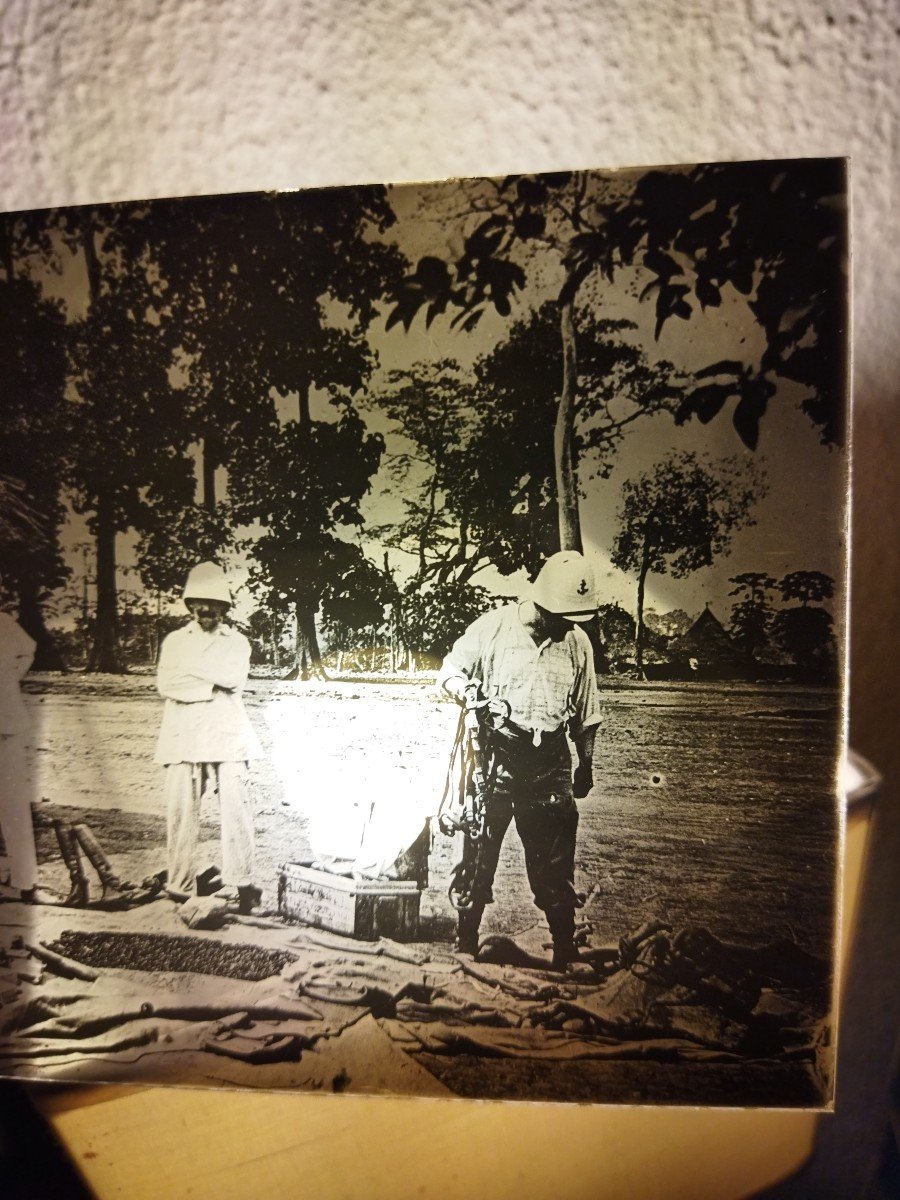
(464, 662)
(175, 679)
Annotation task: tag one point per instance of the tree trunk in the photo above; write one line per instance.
(104, 654)
(308, 656)
(563, 436)
(543, 518)
(7, 257)
(639, 628)
(91, 261)
(274, 635)
(31, 617)
(304, 415)
(208, 459)
(157, 623)
(47, 656)
(308, 661)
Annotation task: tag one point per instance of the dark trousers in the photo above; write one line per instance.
(533, 785)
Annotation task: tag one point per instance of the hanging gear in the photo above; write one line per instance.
(462, 881)
(470, 778)
(470, 772)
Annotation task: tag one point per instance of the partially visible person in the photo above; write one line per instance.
(206, 740)
(16, 656)
(531, 661)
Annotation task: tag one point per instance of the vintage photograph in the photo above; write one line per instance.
(422, 637)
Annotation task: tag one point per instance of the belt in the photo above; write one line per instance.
(517, 734)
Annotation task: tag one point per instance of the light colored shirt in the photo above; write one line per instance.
(201, 675)
(16, 654)
(545, 685)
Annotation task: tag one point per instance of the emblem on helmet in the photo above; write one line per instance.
(565, 585)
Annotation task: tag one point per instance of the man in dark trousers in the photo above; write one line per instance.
(532, 661)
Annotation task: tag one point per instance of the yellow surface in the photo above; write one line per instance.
(132, 1143)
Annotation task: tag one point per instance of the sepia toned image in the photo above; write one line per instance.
(423, 637)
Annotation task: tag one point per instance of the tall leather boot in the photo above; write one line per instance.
(561, 919)
(116, 893)
(68, 848)
(469, 922)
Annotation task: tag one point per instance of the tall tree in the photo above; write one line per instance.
(176, 534)
(267, 631)
(32, 416)
(476, 474)
(248, 281)
(510, 485)
(808, 587)
(751, 613)
(357, 607)
(273, 295)
(309, 487)
(677, 517)
(804, 631)
(500, 219)
(128, 436)
(774, 232)
(435, 618)
(616, 627)
(430, 407)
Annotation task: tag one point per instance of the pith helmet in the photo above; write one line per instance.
(207, 582)
(565, 586)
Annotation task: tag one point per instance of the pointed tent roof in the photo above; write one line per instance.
(706, 641)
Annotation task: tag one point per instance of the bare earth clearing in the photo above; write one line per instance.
(713, 806)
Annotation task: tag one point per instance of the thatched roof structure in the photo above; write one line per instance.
(706, 642)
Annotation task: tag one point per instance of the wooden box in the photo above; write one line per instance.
(366, 909)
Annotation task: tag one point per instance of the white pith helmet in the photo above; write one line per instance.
(207, 582)
(565, 585)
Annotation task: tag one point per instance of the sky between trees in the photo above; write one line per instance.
(799, 522)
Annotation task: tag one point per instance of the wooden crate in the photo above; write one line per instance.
(366, 909)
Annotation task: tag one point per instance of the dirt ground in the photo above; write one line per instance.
(713, 806)
(713, 803)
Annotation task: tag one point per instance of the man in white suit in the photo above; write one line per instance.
(206, 740)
